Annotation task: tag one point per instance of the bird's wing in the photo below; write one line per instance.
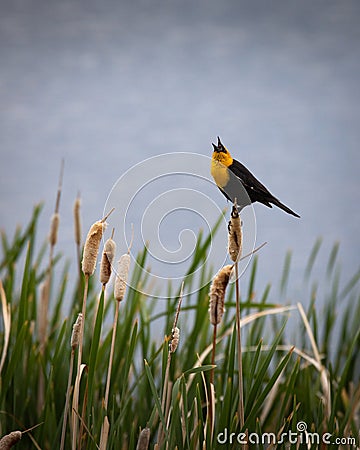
(247, 178)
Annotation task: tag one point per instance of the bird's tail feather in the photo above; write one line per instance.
(278, 203)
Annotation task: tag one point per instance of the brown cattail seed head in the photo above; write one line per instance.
(77, 221)
(91, 248)
(54, 227)
(174, 342)
(10, 439)
(44, 292)
(121, 277)
(144, 439)
(235, 235)
(217, 294)
(76, 332)
(107, 260)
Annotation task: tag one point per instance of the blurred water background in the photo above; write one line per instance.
(105, 85)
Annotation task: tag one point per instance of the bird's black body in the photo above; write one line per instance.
(229, 185)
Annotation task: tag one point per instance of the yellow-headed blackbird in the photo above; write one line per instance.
(230, 176)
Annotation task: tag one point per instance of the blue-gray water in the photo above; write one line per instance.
(106, 85)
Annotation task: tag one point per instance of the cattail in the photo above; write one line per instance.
(77, 221)
(91, 247)
(121, 277)
(76, 332)
(217, 294)
(107, 260)
(54, 227)
(10, 439)
(144, 439)
(235, 235)
(44, 295)
(174, 342)
(75, 340)
(92, 244)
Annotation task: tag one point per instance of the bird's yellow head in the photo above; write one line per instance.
(221, 154)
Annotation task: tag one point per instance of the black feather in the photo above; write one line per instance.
(249, 190)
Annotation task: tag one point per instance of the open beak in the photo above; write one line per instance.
(216, 149)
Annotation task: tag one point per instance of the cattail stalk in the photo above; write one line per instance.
(77, 233)
(235, 240)
(216, 304)
(74, 344)
(105, 426)
(45, 294)
(173, 344)
(216, 312)
(119, 293)
(239, 353)
(91, 250)
(78, 370)
(6, 313)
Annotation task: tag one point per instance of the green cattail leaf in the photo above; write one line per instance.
(342, 381)
(175, 432)
(129, 358)
(5, 245)
(199, 369)
(350, 285)
(290, 388)
(332, 259)
(255, 361)
(41, 254)
(199, 406)
(56, 317)
(61, 348)
(265, 295)
(312, 257)
(254, 412)
(286, 272)
(234, 423)
(185, 410)
(15, 359)
(23, 305)
(232, 363)
(252, 278)
(155, 395)
(136, 278)
(259, 377)
(94, 349)
(20, 239)
(201, 249)
(230, 401)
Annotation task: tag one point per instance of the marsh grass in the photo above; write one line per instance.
(308, 373)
